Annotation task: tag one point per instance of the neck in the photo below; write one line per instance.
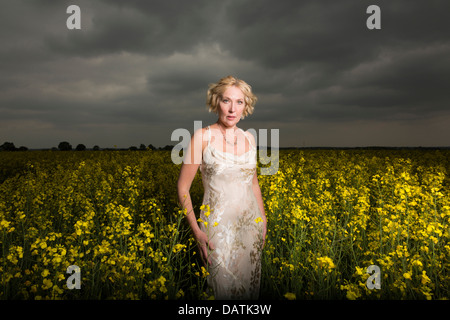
(221, 125)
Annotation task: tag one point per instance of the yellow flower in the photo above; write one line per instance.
(179, 294)
(353, 291)
(326, 262)
(206, 212)
(47, 284)
(204, 272)
(258, 220)
(424, 278)
(4, 224)
(290, 296)
(359, 271)
(407, 275)
(417, 263)
(352, 295)
(162, 280)
(45, 273)
(57, 289)
(178, 247)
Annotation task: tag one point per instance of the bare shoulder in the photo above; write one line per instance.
(250, 137)
(201, 137)
(201, 134)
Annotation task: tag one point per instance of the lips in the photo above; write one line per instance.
(231, 117)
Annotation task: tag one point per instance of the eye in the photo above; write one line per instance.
(225, 100)
(240, 102)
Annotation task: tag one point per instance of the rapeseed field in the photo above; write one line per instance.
(331, 215)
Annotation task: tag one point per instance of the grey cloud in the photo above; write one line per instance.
(145, 27)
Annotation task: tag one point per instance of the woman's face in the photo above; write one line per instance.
(231, 106)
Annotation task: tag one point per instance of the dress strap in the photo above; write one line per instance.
(246, 137)
(209, 134)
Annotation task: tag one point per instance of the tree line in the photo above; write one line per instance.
(66, 146)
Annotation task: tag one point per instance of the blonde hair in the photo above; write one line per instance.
(216, 91)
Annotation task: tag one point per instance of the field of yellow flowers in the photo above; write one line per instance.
(331, 214)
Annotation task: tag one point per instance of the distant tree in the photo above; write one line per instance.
(167, 147)
(142, 147)
(80, 147)
(8, 146)
(133, 148)
(96, 148)
(151, 147)
(64, 146)
(23, 148)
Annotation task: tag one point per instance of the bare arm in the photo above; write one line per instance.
(188, 171)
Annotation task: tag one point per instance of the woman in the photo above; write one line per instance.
(232, 225)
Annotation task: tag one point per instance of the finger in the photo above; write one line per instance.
(201, 251)
(205, 254)
(211, 245)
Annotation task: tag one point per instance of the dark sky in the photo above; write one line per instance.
(138, 70)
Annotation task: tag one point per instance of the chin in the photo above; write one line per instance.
(231, 122)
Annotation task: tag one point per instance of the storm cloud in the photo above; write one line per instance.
(137, 70)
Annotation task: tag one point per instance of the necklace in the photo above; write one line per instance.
(231, 144)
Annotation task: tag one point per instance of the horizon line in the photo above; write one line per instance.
(166, 147)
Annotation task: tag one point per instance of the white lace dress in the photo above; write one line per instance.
(234, 224)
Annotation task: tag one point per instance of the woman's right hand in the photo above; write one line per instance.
(204, 245)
